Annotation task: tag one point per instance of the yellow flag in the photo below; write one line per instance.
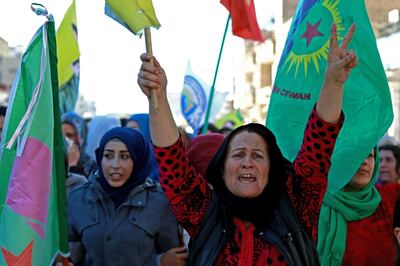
(133, 14)
(67, 45)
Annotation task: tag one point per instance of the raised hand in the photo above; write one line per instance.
(340, 59)
(73, 154)
(151, 76)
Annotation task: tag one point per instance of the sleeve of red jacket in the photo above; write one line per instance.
(308, 184)
(187, 191)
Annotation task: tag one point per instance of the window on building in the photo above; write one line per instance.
(266, 75)
(249, 77)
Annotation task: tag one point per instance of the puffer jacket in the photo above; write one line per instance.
(133, 234)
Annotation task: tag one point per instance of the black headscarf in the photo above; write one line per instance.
(139, 150)
(256, 210)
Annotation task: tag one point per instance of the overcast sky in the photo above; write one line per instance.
(191, 30)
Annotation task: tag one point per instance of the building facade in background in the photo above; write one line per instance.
(10, 58)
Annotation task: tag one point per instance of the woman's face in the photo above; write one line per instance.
(70, 132)
(247, 164)
(388, 167)
(117, 163)
(363, 175)
(132, 124)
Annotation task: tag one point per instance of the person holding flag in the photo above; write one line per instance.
(259, 212)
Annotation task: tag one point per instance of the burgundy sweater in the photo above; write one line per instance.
(370, 241)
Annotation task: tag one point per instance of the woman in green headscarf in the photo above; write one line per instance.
(355, 225)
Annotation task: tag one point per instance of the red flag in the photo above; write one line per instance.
(244, 20)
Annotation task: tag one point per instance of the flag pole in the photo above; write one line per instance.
(149, 50)
(210, 99)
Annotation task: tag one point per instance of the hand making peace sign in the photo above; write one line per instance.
(340, 59)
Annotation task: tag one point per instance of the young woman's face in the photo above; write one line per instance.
(363, 175)
(70, 132)
(388, 167)
(117, 163)
(247, 164)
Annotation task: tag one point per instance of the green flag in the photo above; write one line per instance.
(68, 60)
(33, 224)
(367, 102)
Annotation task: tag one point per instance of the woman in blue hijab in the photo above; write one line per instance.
(141, 123)
(121, 217)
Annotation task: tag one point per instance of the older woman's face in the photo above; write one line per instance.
(247, 164)
(117, 163)
(363, 175)
(388, 167)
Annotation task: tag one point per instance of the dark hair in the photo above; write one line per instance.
(396, 153)
(211, 127)
(124, 121)
(3, 110)
(225, 130)
(396, 223)
(278, 172)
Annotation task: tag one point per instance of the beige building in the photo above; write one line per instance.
(10, 58)
(259, 72)
(3, 47)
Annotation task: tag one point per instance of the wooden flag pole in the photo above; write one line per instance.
(149, 50)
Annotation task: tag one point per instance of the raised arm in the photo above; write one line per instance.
(308, 184)
(340, 62)
(187, 191)
(164, 132)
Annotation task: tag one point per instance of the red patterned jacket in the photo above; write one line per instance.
(189, 193)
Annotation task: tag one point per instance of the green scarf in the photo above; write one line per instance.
(338, 208)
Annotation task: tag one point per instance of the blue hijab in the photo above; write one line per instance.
(98, 126)
(139, 149)
(143, 121)
(78, 123)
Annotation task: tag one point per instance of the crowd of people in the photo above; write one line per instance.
(147, 193)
